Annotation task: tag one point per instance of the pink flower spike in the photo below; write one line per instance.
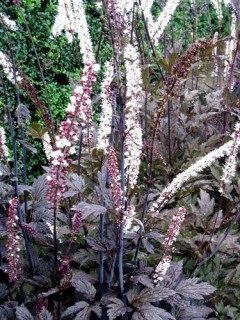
(12, 243)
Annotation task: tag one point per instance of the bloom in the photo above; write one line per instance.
(231, 163)
(133, 131)
(72, 19)
(105, 125)
(4, 154)
(192, 171)
(161, 268)
(115, 184)
(47, 147)
(10, 24)
(160, 24)
(12, 243)
(174, 228)
(8, 68)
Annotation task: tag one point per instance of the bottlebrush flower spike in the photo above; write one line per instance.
(218, 6)
(230, 167)
(171, 236)
(47, 147)
(79, 113)
(8, 68)
(10, 24)
(71, 18)
(77, 222)
(189, 173)
(115, 184)
(4, 154)
(133, 131)
(12, 243)
(230, 49)
(161, 268)
(105, 125)
(174, 229)
(163, 20)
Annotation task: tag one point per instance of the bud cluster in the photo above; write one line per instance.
(114, 178)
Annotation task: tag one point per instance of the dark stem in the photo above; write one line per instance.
(169, 132)
(122, 172)
(101, 267)
(15, 180)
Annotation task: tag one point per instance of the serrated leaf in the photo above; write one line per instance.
(69, 194)
(143, 279)
(152, 295)
(85, 288)
(39, 188)
(147, 245)
(85, 313)
(132, 293)
(75, 182)
(206, 204)
(88, 209)
(36, 131)
(22, 313)
(190, 288)
(116, 309)
(194, 313)
(149, 312)
(74, 309)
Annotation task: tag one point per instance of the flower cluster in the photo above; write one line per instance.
(115, 185)
(77, 222)
(72, 19)
(3, 148)
(230, 48)
(133, 131)
(47, 146)
(218, 6)
(41, 304)
(171, 236)
(163, 19)
(189, 173)
(105, 125)
(119, 27)
(38, 104)
(8, 68)
(146, 6)
(127, 220)
(65, 270)
(10, 24)
(35, 235)
(79, 113)
(229, 170)
(161, 268)
(174, 229)
(12, 243)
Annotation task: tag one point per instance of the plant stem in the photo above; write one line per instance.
(122, 172)
(15, 180)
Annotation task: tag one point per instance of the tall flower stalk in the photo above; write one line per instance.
(77, 115)
(170, 238)
(133, 131)
(13, 242)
